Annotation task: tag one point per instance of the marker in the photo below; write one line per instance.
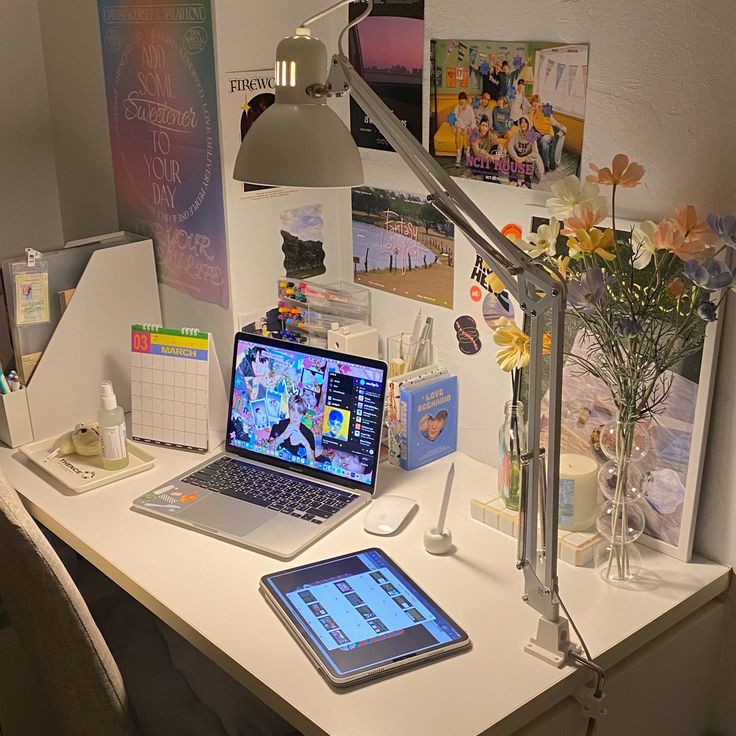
(4, 387)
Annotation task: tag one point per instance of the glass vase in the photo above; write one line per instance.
(512, 444)
(623, 482)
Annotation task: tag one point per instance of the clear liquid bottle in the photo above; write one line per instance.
(111, 419)
(512, 444)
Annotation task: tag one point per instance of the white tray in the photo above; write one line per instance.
(81, 474)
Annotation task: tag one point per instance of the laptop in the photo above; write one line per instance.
(301, 449)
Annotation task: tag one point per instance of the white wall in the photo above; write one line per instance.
(76, 89)
(30, 214)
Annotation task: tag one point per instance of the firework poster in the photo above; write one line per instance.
(387, 50)
(402, 245)
(508, 112)
(162, 109)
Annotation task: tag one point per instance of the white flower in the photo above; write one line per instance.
(642, 243)
(544, 241)
(571, 196)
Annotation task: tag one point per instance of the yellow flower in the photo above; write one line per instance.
(561, 263)
(514, 344)
(592, 242)
(546, 344)
(494, 283)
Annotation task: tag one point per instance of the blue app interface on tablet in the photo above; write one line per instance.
(361, 611)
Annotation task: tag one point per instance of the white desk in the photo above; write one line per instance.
(208, 591)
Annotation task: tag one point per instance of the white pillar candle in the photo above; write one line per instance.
(578, 492)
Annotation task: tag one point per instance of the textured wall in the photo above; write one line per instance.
(76, 89)
(29, 198)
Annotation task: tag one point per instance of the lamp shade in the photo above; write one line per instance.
(299, 145)
(299, 141)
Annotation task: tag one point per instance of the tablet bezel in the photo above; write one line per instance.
(300, 630)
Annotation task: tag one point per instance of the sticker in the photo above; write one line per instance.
(476, 293)
(512, 231)
(496, 306)
(301, 230)
(466, 332)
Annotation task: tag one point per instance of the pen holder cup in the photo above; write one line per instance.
(15, 419)
(404, 354)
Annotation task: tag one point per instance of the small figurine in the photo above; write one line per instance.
(84, 439)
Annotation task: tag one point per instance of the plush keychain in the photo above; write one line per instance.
(84, 439)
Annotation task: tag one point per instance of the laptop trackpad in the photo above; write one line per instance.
(225, 514)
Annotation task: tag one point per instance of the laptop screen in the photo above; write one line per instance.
(307, 409)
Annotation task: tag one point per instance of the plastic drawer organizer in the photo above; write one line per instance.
(310, 309)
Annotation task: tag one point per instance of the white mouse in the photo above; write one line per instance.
(386, 514)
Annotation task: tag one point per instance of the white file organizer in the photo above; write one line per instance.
(90, 344)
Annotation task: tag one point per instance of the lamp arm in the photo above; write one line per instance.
(341, 4)
(539, 293)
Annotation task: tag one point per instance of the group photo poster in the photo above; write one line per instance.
(387, 50)
(508, 112)
(402, 245)
(162, 108)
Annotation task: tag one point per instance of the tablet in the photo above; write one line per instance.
(360, 615)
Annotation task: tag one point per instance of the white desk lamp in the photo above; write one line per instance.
(300, 142)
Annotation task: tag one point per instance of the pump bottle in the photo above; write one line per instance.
(111, 419)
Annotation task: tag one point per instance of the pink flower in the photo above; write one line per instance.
(587, 219)
(622, 173)
(668, 236)
(694, 228)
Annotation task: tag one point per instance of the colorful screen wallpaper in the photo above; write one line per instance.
(322, 413)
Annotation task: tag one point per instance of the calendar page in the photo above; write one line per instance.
(169, 389)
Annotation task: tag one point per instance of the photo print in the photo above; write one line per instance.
(387, 50)
(301, 231)
(402, 245)
(508, 112)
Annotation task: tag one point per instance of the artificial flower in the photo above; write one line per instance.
(642, 243)
(593, 242)
(627, 327)
(668, 236)
(544, 241)
(622, 173)
(724, 228)
(546, 343)
(711, 276)
(571, 196)
(694, 229)
(707, 311)
(587, 219)
(514, 344)
(494, 283)
(583, 295)
(558, 267)
(676, 288)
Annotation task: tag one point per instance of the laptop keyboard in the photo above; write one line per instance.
(273, 490)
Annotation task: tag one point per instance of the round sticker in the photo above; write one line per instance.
(511, 231)
(476, 293)
(496, 306)
(466, 332)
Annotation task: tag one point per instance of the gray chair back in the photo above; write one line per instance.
(70, 659)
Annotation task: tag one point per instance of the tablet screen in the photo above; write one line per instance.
(361, 612)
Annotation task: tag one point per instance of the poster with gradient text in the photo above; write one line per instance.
(162, 109)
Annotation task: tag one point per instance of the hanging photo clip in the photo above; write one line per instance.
(31, 286)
